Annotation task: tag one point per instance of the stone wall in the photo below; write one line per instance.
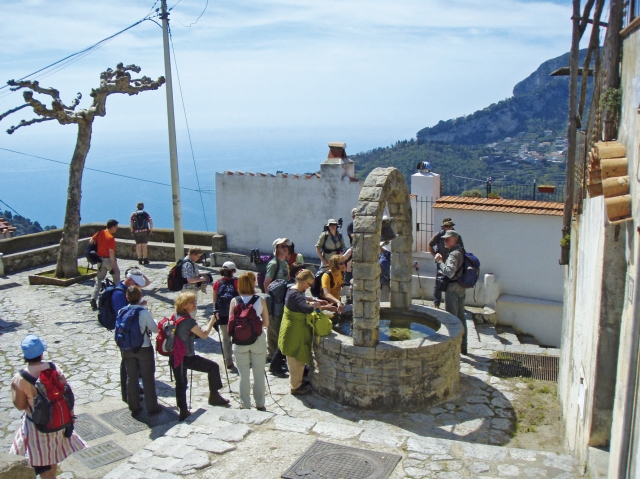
(393, 374)
(15, 467)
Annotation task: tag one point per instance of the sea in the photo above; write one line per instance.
(124, 167)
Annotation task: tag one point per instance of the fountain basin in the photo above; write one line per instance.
(411, 373)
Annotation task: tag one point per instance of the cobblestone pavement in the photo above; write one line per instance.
(457, 439)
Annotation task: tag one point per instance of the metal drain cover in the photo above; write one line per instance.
(536, 366)
(89, 429)
(122, 420)
(101, 455)
(324, 460)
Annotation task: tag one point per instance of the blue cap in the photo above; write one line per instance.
(32, 346)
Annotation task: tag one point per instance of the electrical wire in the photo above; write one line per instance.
(199, 16)
(13, 210)
(106, 172)
(184, 109)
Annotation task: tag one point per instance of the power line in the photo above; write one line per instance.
(184, 109)
(105, 172)
(199, 16)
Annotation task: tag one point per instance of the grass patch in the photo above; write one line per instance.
(82, 269)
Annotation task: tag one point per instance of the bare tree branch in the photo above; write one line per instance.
(13, 110)
(27, 123)
(35, 86)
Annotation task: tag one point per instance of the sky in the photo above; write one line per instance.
(266, 84)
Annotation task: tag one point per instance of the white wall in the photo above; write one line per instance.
(252, 211)
(521, 250)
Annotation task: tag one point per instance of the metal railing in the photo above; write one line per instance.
(423, 221)
(515, 191)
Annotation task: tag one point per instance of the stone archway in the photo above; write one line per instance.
(383, 187)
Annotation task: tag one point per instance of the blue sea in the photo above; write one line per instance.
(37, 188)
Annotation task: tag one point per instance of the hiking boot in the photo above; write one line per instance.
(94, 304)
(216, 400)
(139, 260)
(301, 391)
(184, 414)
(261, 408)
(145, 260)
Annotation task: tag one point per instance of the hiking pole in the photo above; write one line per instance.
(415, 265)
(224, 360)
(191, 390)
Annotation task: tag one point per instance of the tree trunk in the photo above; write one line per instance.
(67, 266)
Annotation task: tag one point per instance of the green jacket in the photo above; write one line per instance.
(295, 336)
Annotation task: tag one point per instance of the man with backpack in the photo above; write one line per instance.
(452, 269)
(275, 283)
(436, 245)
(141, 226)
(224, 290)
(330, 242)
(107, 253)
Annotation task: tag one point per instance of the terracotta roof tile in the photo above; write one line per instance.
(499, 205)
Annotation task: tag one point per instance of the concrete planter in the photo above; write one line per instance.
(38, 279)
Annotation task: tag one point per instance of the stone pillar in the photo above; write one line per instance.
(383, 186)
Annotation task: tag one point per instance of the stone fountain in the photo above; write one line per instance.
(360, 370)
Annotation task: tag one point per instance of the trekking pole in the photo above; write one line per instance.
(415, 265)
(224, 360)
(191, 390)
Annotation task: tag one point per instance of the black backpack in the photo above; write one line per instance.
(106, 314)
(316, 288)
(175, 280)
(141, 221)
(226, 292)
(91, 253)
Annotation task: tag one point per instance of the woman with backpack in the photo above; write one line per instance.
(253, 356)
(224, 290)
(184, 356)
(295, 332)
(43, 450)
(332, 281)
(140, 361)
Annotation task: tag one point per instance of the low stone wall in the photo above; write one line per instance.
(393, 374)
(214, 241)
(15, 467)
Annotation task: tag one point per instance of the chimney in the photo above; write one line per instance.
(337, 157)
(337, 150)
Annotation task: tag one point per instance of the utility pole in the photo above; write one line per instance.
(178, 237)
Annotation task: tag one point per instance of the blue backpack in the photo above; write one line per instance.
(226, 292)
(128, 335)
(106, 314)
(470, 271)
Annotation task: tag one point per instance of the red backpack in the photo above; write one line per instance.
(167, 334)
(53, 402)
(244, 325)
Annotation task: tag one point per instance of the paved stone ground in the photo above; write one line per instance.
(458, 439)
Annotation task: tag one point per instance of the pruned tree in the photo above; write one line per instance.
(111, 81)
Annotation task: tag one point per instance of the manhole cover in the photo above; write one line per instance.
(122, 420)
(512, 365)
(324, 460)
(89, 429)
(101, 455)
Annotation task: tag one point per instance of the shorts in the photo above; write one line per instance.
(141, 238)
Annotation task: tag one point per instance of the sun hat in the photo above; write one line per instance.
(229, 265)
(32, 346)
(280, 241)
(385, 245)
(136, 275)
(332, 222)
(447, 222)
(451, 234)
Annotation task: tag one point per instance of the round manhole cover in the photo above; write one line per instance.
(344, 464)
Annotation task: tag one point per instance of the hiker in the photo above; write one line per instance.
(294, 257)
(42, 450)
(107, 253)
(191, 273)
(141, 226)
(251, 357)
(185, 358)
(437, 245)
(330, 242)
(385, 271)
(224, 290)
(141, 362)
(133, 277)
(454, 299)
(332, 281)
(275, 283)
(350, 226)
(295, 333)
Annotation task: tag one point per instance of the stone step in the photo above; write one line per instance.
(482, 315)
